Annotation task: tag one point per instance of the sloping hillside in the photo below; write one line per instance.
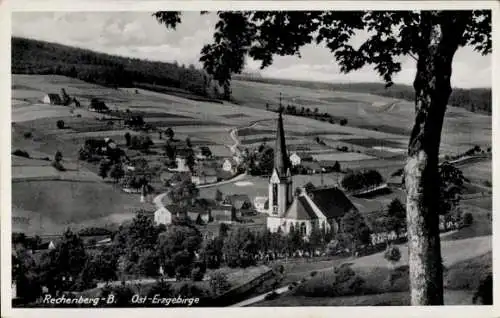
(39, 57)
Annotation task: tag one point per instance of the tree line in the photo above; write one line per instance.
(45, 58)
(471, 99)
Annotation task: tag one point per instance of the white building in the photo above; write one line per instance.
(295, 159)
(163, 216)
(229, 165)
(53, 99)
(260, 204)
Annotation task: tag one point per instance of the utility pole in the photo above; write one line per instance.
(280, 100)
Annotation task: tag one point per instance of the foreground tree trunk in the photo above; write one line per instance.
(441, 34)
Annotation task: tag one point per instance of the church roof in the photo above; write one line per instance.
(300, 209)
(332, 202)
(281, 160)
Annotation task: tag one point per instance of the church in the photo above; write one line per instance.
(319, 207)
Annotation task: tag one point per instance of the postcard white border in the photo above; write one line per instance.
(144, 5)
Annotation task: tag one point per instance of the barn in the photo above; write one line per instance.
(53, 99)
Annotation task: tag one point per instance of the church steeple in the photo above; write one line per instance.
(280, 183)
(281, 160)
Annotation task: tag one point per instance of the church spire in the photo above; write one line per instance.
(281, 161)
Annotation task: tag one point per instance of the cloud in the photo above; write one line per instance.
(138, 34)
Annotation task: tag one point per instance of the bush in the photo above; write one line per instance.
(21, 153)
(342, 281)
(314, 273)
(392, 254)
(28, 135)
(219, 283)
(484, 293)
(60, 124)
(58, 166)
(343, 122)
(79, 115)
(467, 219)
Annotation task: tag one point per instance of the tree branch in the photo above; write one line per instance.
(412, 56)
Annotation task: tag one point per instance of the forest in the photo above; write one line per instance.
(44, 58)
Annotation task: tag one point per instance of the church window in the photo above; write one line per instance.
(275, 194)
(303, 230)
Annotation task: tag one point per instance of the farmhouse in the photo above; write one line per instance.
(52, 99)
(230, 165)
(259, 204)
(203, 153)
(204, 176)
(319, 207)
(224, 213)
(98, 106)
(295, 159)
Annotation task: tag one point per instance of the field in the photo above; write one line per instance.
(377, 129)
(54, 205)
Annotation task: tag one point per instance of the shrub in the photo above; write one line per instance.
(58, 166)
(28, 135)
(79, 115)
(484, 293)
(467, 219)
(60, 124)
(343, 122)
(392, 254)
(219, 283)
(21, 153)
(314, 273)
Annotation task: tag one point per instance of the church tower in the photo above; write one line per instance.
(280, 183)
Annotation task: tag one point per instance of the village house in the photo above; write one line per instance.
(295, 159)
(259, 204)
(230, 165)
(196, 214)
(241, 203)
(52, 99)
(312, 167)
(203, 153)
(320, 207)
(224, 213)
(204, 176)
(98, 106)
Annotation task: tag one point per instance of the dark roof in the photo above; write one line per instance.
(281, 159)
(54, 96)
(311, 165)
(300, 209)
(332, 202)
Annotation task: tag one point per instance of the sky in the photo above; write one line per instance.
(137, 34)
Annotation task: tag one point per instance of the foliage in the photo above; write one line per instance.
(451, 182)
(392, 254)
(212, 252)
(142, 143)
(395, 219)
(342, 281)
(219, 282)
(162, 289)
(60, 124)
(362, 179)
(61, 266)
(38, 57)
(467, 219)
(354, 226)
(219, 196)
(240, 248)
(128, 139)
(21, 153)
(176, 248)
(25, 275)
(170, 151)
(116, 172)
(484, 293)
(183, 193)
(104, 168)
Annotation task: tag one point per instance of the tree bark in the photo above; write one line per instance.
(441, 35)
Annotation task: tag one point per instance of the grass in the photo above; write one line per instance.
(76, 204)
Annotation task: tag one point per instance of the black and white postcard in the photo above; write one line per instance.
(192, 156)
